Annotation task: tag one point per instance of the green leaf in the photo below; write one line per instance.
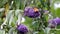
(58, 12)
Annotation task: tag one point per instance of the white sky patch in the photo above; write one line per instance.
(57, 5)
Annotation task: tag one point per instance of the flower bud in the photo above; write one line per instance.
(46, 12)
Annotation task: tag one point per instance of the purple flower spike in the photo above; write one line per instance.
(57, 20)
(54, 22)
(31, 12)
(22, 29)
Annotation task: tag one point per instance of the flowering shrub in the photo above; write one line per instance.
(40, 16)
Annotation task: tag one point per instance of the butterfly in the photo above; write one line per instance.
(36, 9)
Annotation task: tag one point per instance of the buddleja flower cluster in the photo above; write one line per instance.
(54, 22)
(31, 12)
(22, 29)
